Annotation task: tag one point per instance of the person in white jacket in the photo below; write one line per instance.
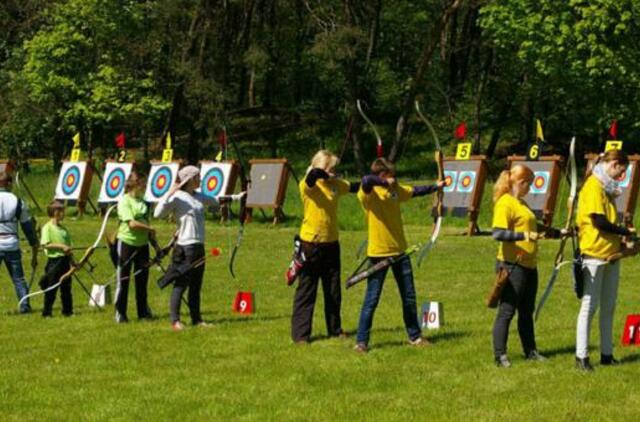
(187, 267)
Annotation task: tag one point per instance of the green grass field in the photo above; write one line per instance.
(87, 367)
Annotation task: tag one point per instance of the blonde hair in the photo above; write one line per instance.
(611, 155)
(508, 177)
(325, 160)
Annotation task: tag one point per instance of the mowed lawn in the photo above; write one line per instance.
(89, 368)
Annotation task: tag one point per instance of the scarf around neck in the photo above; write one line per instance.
(611, 186)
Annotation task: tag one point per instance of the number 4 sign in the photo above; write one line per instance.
(244, 303)
(631, 334)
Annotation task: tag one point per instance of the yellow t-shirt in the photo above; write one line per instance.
(594, 200)
(320, 209)
(382, 213)
(510, 213)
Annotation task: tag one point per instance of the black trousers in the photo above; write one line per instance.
(132, 258)
(54, 270)
(323, 263)
(518, 294)
(185, 277)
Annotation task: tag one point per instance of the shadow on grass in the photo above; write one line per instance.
(435, 339)
(630, 359)
(565, 350)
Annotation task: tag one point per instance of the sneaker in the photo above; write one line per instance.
(121, 319)
(583, 364)
(503, 361)
(177, 326)
(534, 355)
(608, 360)
(361, 348)
(420, 342)
(202, 324)
(343, 335)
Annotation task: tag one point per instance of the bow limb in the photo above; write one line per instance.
(439, 159)
(379, 149)
(571, 206)
(85, 258)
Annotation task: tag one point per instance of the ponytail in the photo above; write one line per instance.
(606, 157)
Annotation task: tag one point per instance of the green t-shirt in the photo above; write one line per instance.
(132, 209)
(54, 233)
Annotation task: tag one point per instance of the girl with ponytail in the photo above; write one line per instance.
(516, 228)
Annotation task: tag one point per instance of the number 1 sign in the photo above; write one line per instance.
(631, 334)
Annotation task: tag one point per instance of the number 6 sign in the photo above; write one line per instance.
(244, 303)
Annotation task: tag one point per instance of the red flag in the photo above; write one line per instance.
(613, 129)
(379, 151)
(120, 140)
(461, 131)
(222, 139)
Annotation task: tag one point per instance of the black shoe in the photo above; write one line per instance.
(608, 360)
(503, 361)
(534, 355)
(584, 364)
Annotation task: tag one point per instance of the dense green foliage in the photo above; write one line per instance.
(289, 71)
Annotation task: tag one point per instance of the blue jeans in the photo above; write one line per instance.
(13, 261)
(404, 278)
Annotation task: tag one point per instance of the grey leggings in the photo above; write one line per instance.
(519, 294)
(186, 278)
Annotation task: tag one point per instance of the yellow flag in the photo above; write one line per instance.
(76, 140)
(168, 145)
(539, 134)
(219, 156)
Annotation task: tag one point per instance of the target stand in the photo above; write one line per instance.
(218, 178)
(74, 183)
(629, 184)
(543, 192)
(267, 186)
(161, 177)
(113, 181)
(464, 186)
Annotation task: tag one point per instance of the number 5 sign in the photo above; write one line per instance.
(463, 151)
(244, 303)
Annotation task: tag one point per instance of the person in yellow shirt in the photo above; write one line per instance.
(516, 228)
(380, 195)
(599, 238)
(320, 191)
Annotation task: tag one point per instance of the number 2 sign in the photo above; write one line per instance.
(244, 303)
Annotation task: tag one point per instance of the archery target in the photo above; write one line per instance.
(161, 177)
(115, 176)
(625, 179)
(466, 181)
(214, 178)
(450, 180)
(70, 180)
(540, 184)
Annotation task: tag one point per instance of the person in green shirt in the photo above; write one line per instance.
(56, 242)
(134, 235)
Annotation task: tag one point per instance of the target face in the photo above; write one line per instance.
(161, 177)
(215, 178)
(70, 180)
(540, 183)
(625, 179)
(450, 180)
(466, 181)
(115, 177)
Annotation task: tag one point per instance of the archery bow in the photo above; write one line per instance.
(379, 150)
(79, 264)
(571, 202)
(440, 195)
(242, 213)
